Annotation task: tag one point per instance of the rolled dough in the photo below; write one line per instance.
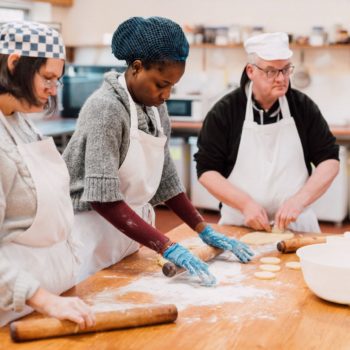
(265, 237)
(265, 275)
(294, 265)
(272, 268)
(271, 260)
(275, 229)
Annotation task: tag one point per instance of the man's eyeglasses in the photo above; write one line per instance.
(50, 83)
(272, 73)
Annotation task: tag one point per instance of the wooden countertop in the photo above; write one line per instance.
(59, 126)
(192, 128)
(287, 315)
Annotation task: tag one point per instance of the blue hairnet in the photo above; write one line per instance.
(150, 39)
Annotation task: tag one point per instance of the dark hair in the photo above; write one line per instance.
(158, 64)
(20, 82)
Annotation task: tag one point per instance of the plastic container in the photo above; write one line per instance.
(326, 269)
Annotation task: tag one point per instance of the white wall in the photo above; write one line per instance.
(93, 18)
(88, 20)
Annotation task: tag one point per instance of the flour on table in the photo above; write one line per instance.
(265, 275)
(185, 291)
(265, 237)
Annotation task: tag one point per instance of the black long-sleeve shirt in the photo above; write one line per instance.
(220, 135)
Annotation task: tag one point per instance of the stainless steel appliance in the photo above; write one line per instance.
(186, 108)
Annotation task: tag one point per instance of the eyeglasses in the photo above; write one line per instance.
(272, 73)
(50, 83)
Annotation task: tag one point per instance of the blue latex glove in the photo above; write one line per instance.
(182, 257)
(218, 240)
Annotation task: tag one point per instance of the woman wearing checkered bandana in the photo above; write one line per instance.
(38, 255)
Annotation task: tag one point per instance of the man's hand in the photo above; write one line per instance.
(255, 216)
(288, 212)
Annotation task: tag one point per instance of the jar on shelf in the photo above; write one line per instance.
(318, 36)
(256, 30)
(234, 34)
(221, 37)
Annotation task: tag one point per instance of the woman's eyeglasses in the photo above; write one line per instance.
(50, 83)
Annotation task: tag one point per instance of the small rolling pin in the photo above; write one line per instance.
(48, 327)
(291, 245)
(205, 253)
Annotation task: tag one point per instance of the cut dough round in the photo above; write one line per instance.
(295, 265)
(265, 237)
(267, 267)
(271, 260)
(265, 275)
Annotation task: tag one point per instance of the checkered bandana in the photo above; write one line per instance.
(31, 39)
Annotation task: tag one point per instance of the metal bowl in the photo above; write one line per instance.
(326, 270)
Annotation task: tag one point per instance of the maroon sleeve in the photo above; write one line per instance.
(121, 216)
(184, 209)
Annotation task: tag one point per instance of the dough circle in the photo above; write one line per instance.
(265, 237)
(267, 267)
(275, 229)
(294, 265)
(265, 275)
(271, 260)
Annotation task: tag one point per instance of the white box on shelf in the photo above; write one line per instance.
(180, 153)
(333, 204)
(200, 197)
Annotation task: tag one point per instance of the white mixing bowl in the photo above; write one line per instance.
(326, 270)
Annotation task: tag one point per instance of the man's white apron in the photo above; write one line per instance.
(270, 167)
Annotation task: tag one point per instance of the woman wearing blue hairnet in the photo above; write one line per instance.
(119, 159)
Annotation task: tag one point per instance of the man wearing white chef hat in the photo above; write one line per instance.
(258, 142)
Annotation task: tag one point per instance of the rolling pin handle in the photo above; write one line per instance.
(169, 269)
(281, 246)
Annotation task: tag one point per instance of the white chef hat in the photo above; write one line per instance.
(269, 46)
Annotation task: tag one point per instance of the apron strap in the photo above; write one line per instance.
(133, 110)
(249, 115)
(30, 123)
(16, 139)
(157, 118)
(284, 107)
(132, 105)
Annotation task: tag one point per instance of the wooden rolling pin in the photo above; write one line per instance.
(291, 245)
(51, 327)
(205, 253)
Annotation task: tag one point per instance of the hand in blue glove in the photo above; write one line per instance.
(218, 240)
(182, 257)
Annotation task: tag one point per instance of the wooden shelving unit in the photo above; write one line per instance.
(293, 46)
(205, 47)
(59, 2)
(71, 48)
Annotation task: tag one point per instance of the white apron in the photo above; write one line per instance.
(139, 175)
(270, 167)
(46, 249)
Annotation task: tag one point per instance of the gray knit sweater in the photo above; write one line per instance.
(100, 143)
